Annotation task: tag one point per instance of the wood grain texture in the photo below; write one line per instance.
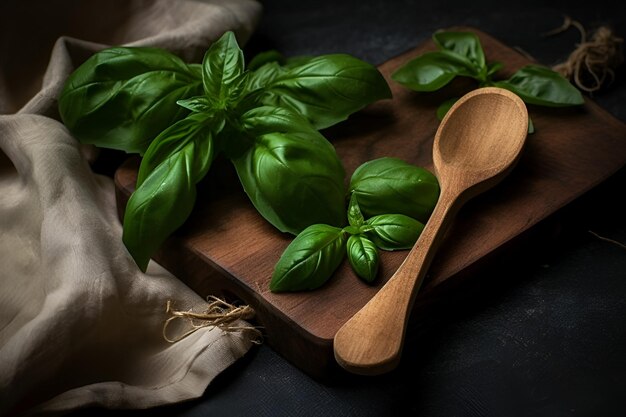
(476, 145)
(227, 249)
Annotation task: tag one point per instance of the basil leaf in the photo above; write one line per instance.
(166, 196)
(494, 67)
(264, 58)
(531, 126)
(268, 119)
(465, 44)
(310, 260)
(352, 230)
(363, 257)
(355, 218)
(297, 61)
(264, 76)
(199, 104)
(326, 89)
(290, 172)
(122, 98)
(542, 86)
(195, 127)
(394, 231)
(222, 68)
(390, 185)
(433, 70)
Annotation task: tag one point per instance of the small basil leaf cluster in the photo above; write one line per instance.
(460, 54)
(180, 117)
(390, 201)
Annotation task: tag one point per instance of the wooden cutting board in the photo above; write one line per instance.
(227, 249)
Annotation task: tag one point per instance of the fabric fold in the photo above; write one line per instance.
(80, 324)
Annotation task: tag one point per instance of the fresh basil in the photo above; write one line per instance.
(179, 158)
(294, 179)
(122, 98)
(461, 54)
(543, 87)
(140, 99)
(464, 44)
(198, 128)
(390, 185)
(355, 217)
(222, 68)
(310, 259)
(325, 89)
(265, 58)
(363, 257)
(364, 237)
(433, 70)
(394, 231)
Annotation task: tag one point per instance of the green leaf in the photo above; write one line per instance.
(465, 44)
(494, 67)
(195, 127)
(443, 108)
(290, 172)
(531, 126)
(269, 119)
(265, 58)
(222, 68)
(263, 76)
(122, 98)
(433, 70)
(394, 231)
(363, 257)
(199, 104)
(310, 260)
(179, 158)
(326, 89)
(543, 87)
(390, 185)
(355, 218)
(352, 230)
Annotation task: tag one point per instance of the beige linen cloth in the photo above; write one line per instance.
(80, 325)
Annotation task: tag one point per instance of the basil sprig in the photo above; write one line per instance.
(385, 184)
(390, 185)
(460, 54)
(180, 117)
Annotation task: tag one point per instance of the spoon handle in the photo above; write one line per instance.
(371, 342)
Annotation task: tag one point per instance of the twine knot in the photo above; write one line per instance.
(218, 313)
(593, 62)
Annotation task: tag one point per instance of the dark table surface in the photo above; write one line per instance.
(542, 336)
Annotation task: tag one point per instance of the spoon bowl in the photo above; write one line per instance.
(477, 144)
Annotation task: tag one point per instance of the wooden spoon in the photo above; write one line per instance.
(477, 144)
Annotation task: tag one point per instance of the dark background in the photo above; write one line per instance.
(542, 334)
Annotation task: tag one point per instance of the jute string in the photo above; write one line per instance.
(218, 313)
(592, 64)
